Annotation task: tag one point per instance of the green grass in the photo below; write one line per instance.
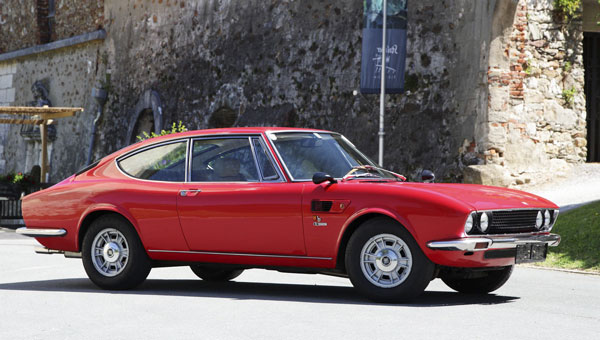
(580, 245)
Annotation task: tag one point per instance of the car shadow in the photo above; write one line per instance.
(256, 291)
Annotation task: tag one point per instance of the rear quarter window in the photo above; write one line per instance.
(161, 163)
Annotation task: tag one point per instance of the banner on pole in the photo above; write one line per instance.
(370, 77)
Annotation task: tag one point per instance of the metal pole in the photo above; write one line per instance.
(44, 137)
(382, 96)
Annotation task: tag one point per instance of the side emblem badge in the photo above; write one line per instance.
(317, 222)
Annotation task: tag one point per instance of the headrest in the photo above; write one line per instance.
(226, 167)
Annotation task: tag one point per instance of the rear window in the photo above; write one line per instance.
(162, 163)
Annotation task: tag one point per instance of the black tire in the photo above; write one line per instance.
(134, 268)
(215, 274)
(489, 282)
(415, 279)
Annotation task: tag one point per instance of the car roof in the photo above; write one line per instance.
(208, 132)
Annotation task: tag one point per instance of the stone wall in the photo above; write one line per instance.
(297, 63)
(485, 80)
(69, 74)
(75, 17)
(18, 25)
(536, 118)
(7, 97)
(23, 23)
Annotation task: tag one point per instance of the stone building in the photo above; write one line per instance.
(495, 89)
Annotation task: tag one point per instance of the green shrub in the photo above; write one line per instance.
(175, 128)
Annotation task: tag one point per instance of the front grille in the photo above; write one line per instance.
(512, 221)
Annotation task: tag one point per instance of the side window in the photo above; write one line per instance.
(161, 163)
(264, 161)
(223, 160)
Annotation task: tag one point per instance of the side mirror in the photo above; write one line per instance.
(427, 176)
(320, 177)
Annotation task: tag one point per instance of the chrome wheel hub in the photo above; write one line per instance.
(386, 260)
(110, 252)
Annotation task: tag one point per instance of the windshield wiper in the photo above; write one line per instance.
(372, 172)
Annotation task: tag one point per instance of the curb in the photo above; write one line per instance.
(574, 271)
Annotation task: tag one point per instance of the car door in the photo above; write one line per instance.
(158, 173)
(237, 201)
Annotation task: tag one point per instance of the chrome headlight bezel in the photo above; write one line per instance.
(554, 214)
(547, 218)
(484, 222)
(469, 223)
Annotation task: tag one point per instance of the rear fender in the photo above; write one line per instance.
(107, 207)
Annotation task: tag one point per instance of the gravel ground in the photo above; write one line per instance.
(580, 186)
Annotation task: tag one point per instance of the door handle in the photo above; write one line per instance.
(190, 192)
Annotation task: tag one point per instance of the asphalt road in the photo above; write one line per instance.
(50, 297)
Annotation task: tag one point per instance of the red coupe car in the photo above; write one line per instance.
(294, 200)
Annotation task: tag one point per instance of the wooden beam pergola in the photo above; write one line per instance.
(42, 116)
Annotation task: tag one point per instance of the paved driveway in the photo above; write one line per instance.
(50, 297)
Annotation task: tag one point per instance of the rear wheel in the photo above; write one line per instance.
(385, 263)
(113, 255)
(215, 274)
(487, 282)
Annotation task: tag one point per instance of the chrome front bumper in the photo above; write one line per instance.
(494, 242)
(41, 232)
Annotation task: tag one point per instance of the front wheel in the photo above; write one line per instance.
(487, 282)
(113, 255)
(215, 274)
(385, 263)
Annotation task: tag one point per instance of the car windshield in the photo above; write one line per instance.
(305, 153)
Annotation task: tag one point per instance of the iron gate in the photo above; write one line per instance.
(591, 60)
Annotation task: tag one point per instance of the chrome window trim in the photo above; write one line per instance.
(248, 136)
(238, 254)
(258, 172)
(268, 133)
(148, 147)
(281, 177)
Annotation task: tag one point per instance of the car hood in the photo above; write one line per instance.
(481, 197)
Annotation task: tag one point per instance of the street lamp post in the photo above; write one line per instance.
(382, 95)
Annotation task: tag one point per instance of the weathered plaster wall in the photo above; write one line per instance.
(19, 21)
(7, 97)
(484, 80)
(536, 117)
(74, 17)
(69, 74)
(297, 63)
(18, 26)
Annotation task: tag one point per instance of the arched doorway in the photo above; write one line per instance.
(147, 117)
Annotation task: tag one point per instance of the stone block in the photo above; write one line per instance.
(10, 95)
(498, 98)
(488, 174)
(534, 31)
(497, 134)
(2, 96)
(580, 142)
(6, 81)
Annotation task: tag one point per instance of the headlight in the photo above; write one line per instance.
(469, 224)
(539, 220)
(546, 218)
(484, 222)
